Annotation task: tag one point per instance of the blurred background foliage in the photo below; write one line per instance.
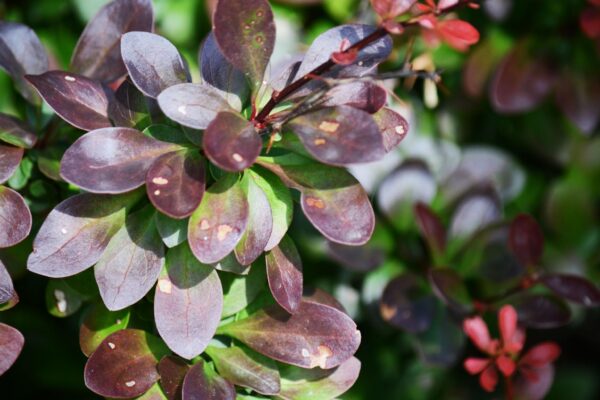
(538, 161)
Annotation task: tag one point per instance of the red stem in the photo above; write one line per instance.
(510, 395)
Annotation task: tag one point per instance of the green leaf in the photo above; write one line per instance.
(98, 324)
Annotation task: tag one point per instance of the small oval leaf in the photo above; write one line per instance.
(11, 344)
(393, 127)
(98, 324)
(431, 227)
(202, 383)
(10, 158)
(542, 312)
(284, 272)
(7, 291)
(574, 288)
(15, 132)
(15, 217)
(172, 371)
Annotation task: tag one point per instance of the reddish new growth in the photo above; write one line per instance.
(456, 33)
(504, 354)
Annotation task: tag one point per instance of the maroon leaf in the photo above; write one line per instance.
(526, 239)
(7, 291)
(10, 158)
(245, 33)
(193, 105)
(393, 127)
(542, 312)
(15, 218)
(15, 132)
(457, 33)
(405, 305)
(202, 383)
(573, 288)
(98, 53)
(112, 160)
(316, 295)
(124, 365)
(231, 142)
(175, 183)
(82, 102)
(260, 224)
(187, 303)
(76, 232)
(520, 83)
(243, 367)
(130, 105)
(11, 344)
(366, 96)
(153, 63)
(131, 263)
(218, 223)
(316, 335)
(172, 371)
(431, 227)
(578, 97)
(448, 285)
(22, 53)
(284, 272)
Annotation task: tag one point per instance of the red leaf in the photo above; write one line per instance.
(392, 8)
(541, 355)
(506, 365)
(475, 366)
(489, 379)
(590, 22)
(457, 33)
(476, 329)
(344, 58)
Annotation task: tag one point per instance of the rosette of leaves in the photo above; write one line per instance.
(187, 190)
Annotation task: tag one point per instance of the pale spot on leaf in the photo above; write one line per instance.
(388, 312)
(61, 301)
(320, 141)
(204, 224)
(165, 286)
(69, 78)
(329, 126)
(314, 202)
(160, 180)
(400, 130)
(111, 345)
(63, 231)
(320, 359)
(305, 353)
(237, 158)
(223, 231)
(157, 192)
(130, 383)
(182, 110)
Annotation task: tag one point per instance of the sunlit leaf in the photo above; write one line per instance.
(82, 102)
(318, 384)
(391, 8)
(15, 132)
(130, 105)
(131, 263)
(11, 344)
(99, 323)
(175, 183)
(231, 142)
(457, 33)
(573, 288)
(15, 217)
(475, 211)
(366, 96)
(22, 53)
(10, 158)
(172, 231)
(340, 135)
(153, 63)
(98, 51)
(193, 105)
(393, 127)
(187, 303)
(284, 272)
(7, 291)
(76, 232)
(244, 367)
(112, 160)
(124, 365)
(218, 223)
(245, 32)
(172, 371)
(202, 383)
(316, 335)
(526, 239)
(240, 291)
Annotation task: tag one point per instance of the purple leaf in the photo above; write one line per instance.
(245, 32)
(573, 288)
(340, 135)
(431, 227)
(219, 73)
(172, 371)
(98, 324)
(535, 389)
(541, 312)
(82, 102)
(112, 160)
(124, 365)
(316, 295)
(202, 383)
(578, 97)
(153, 63)
(98, 53)
(7, 291)
(131, 263)
(260, 224)
(22, 53)
(15, 218)
(404, 304)
(316, 335)
(357, 258)
(366, 96)
(476, 210)
(448, 285)
(304, 384)
(393, 127)
(231, 142)
(175, 183)
(76, 232)
(15, 132)
(526, 240)
(284, 272)
(193, 105)
(243, 367)
(11, 344)
(218, 223)
(130, 105)
(10, 158)
(187, 303)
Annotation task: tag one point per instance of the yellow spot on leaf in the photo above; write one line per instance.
(329, 126)
(165, 286)
(400, 130)
(204, 224)
(314, 202)
(388, 312)
(223, 231)
(320, 141)
(320, 359)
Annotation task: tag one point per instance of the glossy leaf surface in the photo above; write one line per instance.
(112, 160)
(15, 217)
(11, 344)
(284, 272)
(202, 383)
(316, 335)
(76, 233)
(187, 303)
(153, 63)
(175, 183)
(15, 132)
(98, 324)
(231, 142)
(98, 52)
(124, 365)
(218, 223)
